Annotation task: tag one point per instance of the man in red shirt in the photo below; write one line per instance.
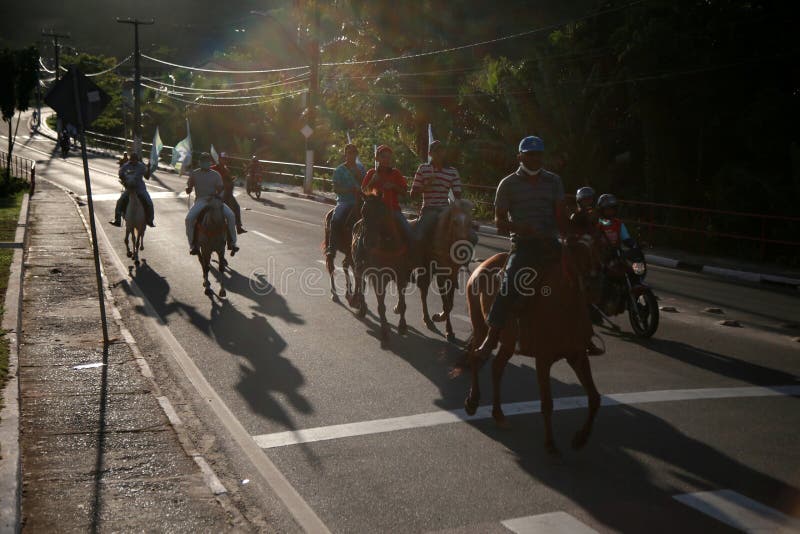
(229, 181)
(390, 183)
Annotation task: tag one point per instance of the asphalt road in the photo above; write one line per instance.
(284, 359)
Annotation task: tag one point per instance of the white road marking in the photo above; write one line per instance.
(740, 512)
(268, 238)
(442, 417)
(337, 268)
(552, 523)
(461, 317)
(285, 218)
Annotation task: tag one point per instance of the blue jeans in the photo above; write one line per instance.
(144, 197)
(426, 225)
(340, 214)
(525, 263)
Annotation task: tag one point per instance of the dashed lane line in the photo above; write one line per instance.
(268, 238)
(442, 417)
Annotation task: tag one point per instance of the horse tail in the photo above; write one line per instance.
(325, 241)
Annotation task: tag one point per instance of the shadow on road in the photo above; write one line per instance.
(265, 377)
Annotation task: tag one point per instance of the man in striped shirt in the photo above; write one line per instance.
(434, 181)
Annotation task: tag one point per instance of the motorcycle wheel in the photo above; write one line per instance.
(644, 316)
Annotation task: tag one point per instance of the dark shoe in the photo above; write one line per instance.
(115, 223)
(240, 230)
(195, 251)
(151, 224)
(234, 249)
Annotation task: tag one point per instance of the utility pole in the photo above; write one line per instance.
(313, 92)
(56, 49)
(137, 109)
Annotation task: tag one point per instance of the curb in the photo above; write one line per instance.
(747, 276)
(10, 466)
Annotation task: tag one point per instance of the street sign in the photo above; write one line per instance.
(306, 131)
(62, 99)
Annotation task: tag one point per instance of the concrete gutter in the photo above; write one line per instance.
(10, 466)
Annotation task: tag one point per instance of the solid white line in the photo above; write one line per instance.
(740, 512)
(268, 238)
(552, 523)
(442, 417)
(460, 317)
(209, 476)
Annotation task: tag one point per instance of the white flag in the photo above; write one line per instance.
(182, 153)
(358, 160)
(155, 152)
(214, 154)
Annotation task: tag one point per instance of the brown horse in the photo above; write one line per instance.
(551, 325)
(211, 236)
(443, 257)
(134, 224)
(344, 245)
(382, 256)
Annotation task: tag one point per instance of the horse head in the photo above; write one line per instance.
(453, 232)
(585, 253)
(376, 219)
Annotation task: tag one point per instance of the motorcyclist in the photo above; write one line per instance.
(136, 171)
(612, 227)
(252, 172)
(584, 220)
(63, 141)
(228, 181)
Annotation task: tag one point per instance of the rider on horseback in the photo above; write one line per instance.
(208, 183)
(346, 180)
(529, 205)
(434, 181)
(389, 182)
(134, 171)
(228, 182)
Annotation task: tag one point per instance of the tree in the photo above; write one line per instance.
(19, 68)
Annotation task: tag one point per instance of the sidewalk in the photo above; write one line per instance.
(98, 451)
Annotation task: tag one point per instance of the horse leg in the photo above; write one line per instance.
(474, 395)
(543, 376)
(380, 293)
(205, 264)
(141, 238)
(127, 246)
(580, 364)
(447, 289)
(347, 265)
(423, 283)
(221, 258)
(331, 268)
(402, 327)
(498, 368)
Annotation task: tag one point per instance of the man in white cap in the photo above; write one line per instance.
(207, 183)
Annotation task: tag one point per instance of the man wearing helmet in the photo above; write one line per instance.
(584, 220)
(228, 181)
(610, 225)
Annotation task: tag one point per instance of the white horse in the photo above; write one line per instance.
(134, 224)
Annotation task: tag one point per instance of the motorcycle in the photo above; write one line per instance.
(254, 185)
(624, 290)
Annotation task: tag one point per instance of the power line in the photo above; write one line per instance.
(195, 103)
(202, 90)
(215, 97)
(220, 71)
(119, 64)
(483, 43)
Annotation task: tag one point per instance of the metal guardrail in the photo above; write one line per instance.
(702, 229)
(22, 168)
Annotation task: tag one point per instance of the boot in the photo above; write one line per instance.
(240, 230)
(117, 220)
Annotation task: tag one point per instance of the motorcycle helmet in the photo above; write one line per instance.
(583, 194)
(607, 200)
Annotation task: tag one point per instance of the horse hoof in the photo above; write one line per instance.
(429, 324)
(438, 317)
(362, 310)
(209, 292)
(136, 262)
(402, 329)
(396, 309)
(222, 293)
(451, 337)
(471, 405)
(130, 254)
(335, 298)
(580, 440)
